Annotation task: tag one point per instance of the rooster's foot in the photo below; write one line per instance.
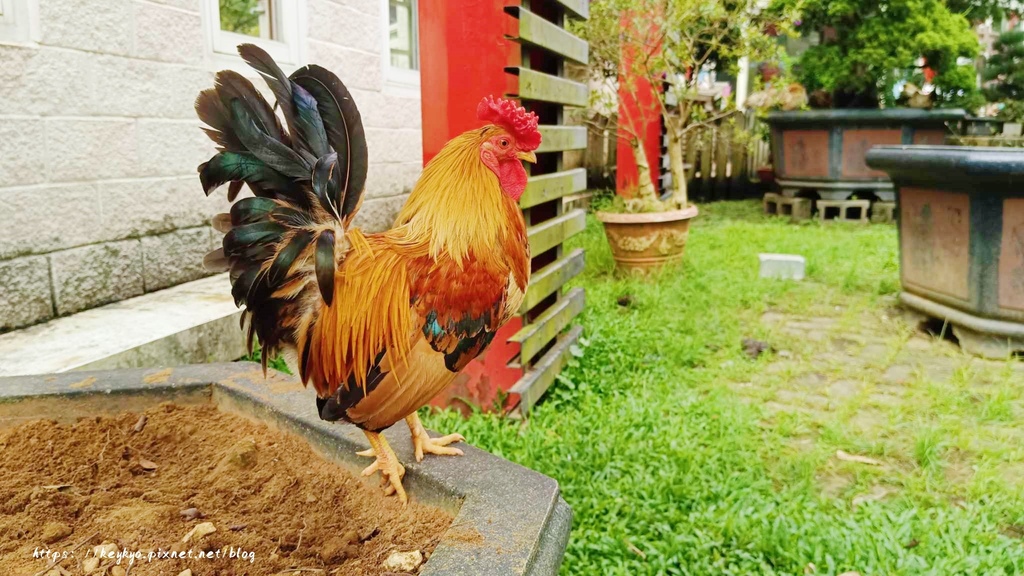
(423, 443)
(391, 470)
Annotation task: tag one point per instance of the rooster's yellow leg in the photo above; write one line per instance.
(423, 443)
(386, 463)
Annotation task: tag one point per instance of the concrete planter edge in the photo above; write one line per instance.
(520, 514)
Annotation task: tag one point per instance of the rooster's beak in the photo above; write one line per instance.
(528, 157)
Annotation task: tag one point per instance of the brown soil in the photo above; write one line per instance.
(266, 492)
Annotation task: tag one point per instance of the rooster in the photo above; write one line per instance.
(378, 323)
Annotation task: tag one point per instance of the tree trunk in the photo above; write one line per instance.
(646, 187)
(675, 162)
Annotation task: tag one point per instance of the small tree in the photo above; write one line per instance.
(1005, 71)
(868, 47)
(651, 52)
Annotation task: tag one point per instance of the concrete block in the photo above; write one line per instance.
(48, 81)
(384, 180)
(345, 26)
(395, 145)
(369, 7)
(782, 266)
(144, 88)
(383, 110)
(844, 210)
(798, 209)
(167, 34)
(93, 275)
(175, 258)
(104, 27)
(24, 292)
(171, 147)
(39, 219)
(187, 5)
(80, 150)
(22, 147)
(883, 212)
(379, 214)
(193, 322)
(359, 70)
(155, 206)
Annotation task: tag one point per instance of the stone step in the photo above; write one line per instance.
(190, 323)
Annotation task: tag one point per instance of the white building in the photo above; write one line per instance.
(99, 142)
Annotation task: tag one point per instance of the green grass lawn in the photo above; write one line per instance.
(680, 455)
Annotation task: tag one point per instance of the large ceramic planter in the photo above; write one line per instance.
(824, 151)
(644, 242)
(961, 228)
(522, 521)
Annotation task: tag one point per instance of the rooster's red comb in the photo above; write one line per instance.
(512, 117)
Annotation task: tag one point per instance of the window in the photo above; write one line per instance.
(401, 45)
(402, 34)
(14, 21)
(272, 24)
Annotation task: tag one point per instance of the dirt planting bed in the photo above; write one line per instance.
(151, 487)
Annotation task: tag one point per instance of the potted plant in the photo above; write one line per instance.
(878, 69)
(651, 59)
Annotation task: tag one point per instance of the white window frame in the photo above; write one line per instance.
(18, 20)
(399, 81)
(286, 50)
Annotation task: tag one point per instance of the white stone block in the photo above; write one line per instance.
(167, 34)
(144, 207)
(188, 5)
(344, 26)
(47, 81)
(22, 148)
(394, 145)
(782, 266)
(392, 179)
(175, 258)
(171, 147)
(144, 88)
(81, 150)
(97, 274)
(383, 110)
(358, 70)
(24, 291)
(379, 214)
(39, 219)
(104, 27)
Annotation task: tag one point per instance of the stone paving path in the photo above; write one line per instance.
(871, 382)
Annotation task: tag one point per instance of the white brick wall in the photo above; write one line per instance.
(99, 145)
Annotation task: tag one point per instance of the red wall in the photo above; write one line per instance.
(463, 51)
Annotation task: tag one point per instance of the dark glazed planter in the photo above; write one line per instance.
(961, 227)
(523, 521)
(824, 150)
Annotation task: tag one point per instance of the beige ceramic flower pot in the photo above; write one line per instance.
(644, 242)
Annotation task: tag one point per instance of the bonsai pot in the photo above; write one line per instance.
(961, 230)
(507, 519)
(644, 242)
(824, 151)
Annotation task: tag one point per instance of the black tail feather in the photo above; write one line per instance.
(280, 245)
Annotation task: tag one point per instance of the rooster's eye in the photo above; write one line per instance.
(503, 142)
